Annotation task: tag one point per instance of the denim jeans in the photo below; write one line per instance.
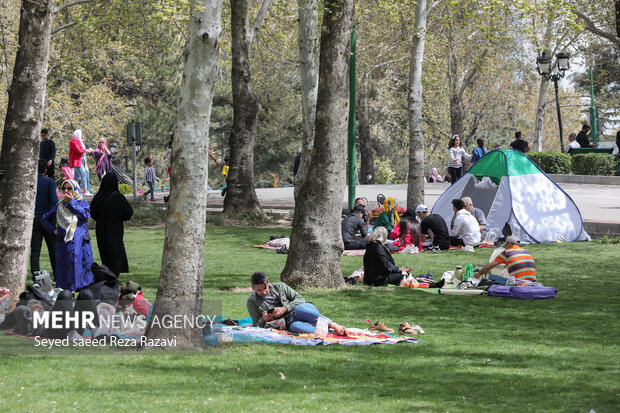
(87, 180)
(304, 320)
(151, 189)
(79, 174)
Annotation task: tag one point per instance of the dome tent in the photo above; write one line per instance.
(511, 189)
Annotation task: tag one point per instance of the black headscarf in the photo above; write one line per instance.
(109, 185)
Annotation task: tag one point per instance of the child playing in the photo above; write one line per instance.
(225, 173)
(150, 178)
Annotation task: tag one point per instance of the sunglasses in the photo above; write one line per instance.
(67, 188)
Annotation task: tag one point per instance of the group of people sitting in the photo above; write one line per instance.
(416, 228)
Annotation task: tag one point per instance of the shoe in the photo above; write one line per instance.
(379, 326)
(468, 248)
(405, 328)
(283, 250)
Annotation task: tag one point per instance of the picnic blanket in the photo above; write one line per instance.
(353, 252)
(275, 244)
(247, 334)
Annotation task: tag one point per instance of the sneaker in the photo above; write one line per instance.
(379, 326)
(468, 248)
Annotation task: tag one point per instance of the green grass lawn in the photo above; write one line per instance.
(479, 353)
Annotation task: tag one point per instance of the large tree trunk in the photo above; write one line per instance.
(309, 65)
(240, 194)
(540, 115)
(363, 135)
(415, 183)
(180, 288)
(316, 242)
(20, 143)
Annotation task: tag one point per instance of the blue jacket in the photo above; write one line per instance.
(46, 196)
(477, 154)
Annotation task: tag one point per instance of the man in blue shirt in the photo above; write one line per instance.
(46, 199)
(47, 152)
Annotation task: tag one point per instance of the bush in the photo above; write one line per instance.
(552, 162)
(125, 189)
(593, 164)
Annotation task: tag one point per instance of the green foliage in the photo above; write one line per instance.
(593, 164)
(612, 240)
(552, 162)
(125, 189)
(384, 173)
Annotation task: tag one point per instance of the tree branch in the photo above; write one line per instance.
(258, 21)
(64, 26)
(70, 4)
(591, 27)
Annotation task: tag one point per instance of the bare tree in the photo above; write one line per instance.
(180, 288)
(20, 142)
(316, 242)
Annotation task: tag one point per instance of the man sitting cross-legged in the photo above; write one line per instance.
(279, 301)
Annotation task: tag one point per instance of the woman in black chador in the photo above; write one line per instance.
(110, 208)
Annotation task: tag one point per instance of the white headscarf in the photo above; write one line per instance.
(78, 134)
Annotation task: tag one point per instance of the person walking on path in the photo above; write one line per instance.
(519, 143)
(45, 201)
(150, 178)
(455, 163)
(102, 157)
(47, 152)
(109, 208)
(76, 150)
(74, 253)
(479, 151)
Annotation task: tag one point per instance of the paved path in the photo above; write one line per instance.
(599, 204)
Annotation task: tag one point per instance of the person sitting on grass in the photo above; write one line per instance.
(466, 230)
(389, 217)
(379, 267)
(519, 263)
(271, 302)
(407, 232)
(349, 227)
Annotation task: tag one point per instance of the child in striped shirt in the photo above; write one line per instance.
(150, 178)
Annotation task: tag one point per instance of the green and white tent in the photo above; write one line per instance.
(511, 189)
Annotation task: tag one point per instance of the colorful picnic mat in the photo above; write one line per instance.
(247, 334)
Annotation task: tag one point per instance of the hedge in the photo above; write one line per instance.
(552, 162)
(593, 164)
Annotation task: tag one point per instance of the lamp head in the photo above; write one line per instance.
(563, 63)
(543, 64)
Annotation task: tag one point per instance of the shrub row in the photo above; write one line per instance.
(583, 164)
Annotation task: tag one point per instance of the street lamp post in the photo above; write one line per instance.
(545, 69)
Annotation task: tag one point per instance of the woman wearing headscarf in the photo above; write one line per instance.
(102, 155)
(379, 267)
(74, 254)
(76, 150)
(389, 216)
(435, 177)
(110, 209)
